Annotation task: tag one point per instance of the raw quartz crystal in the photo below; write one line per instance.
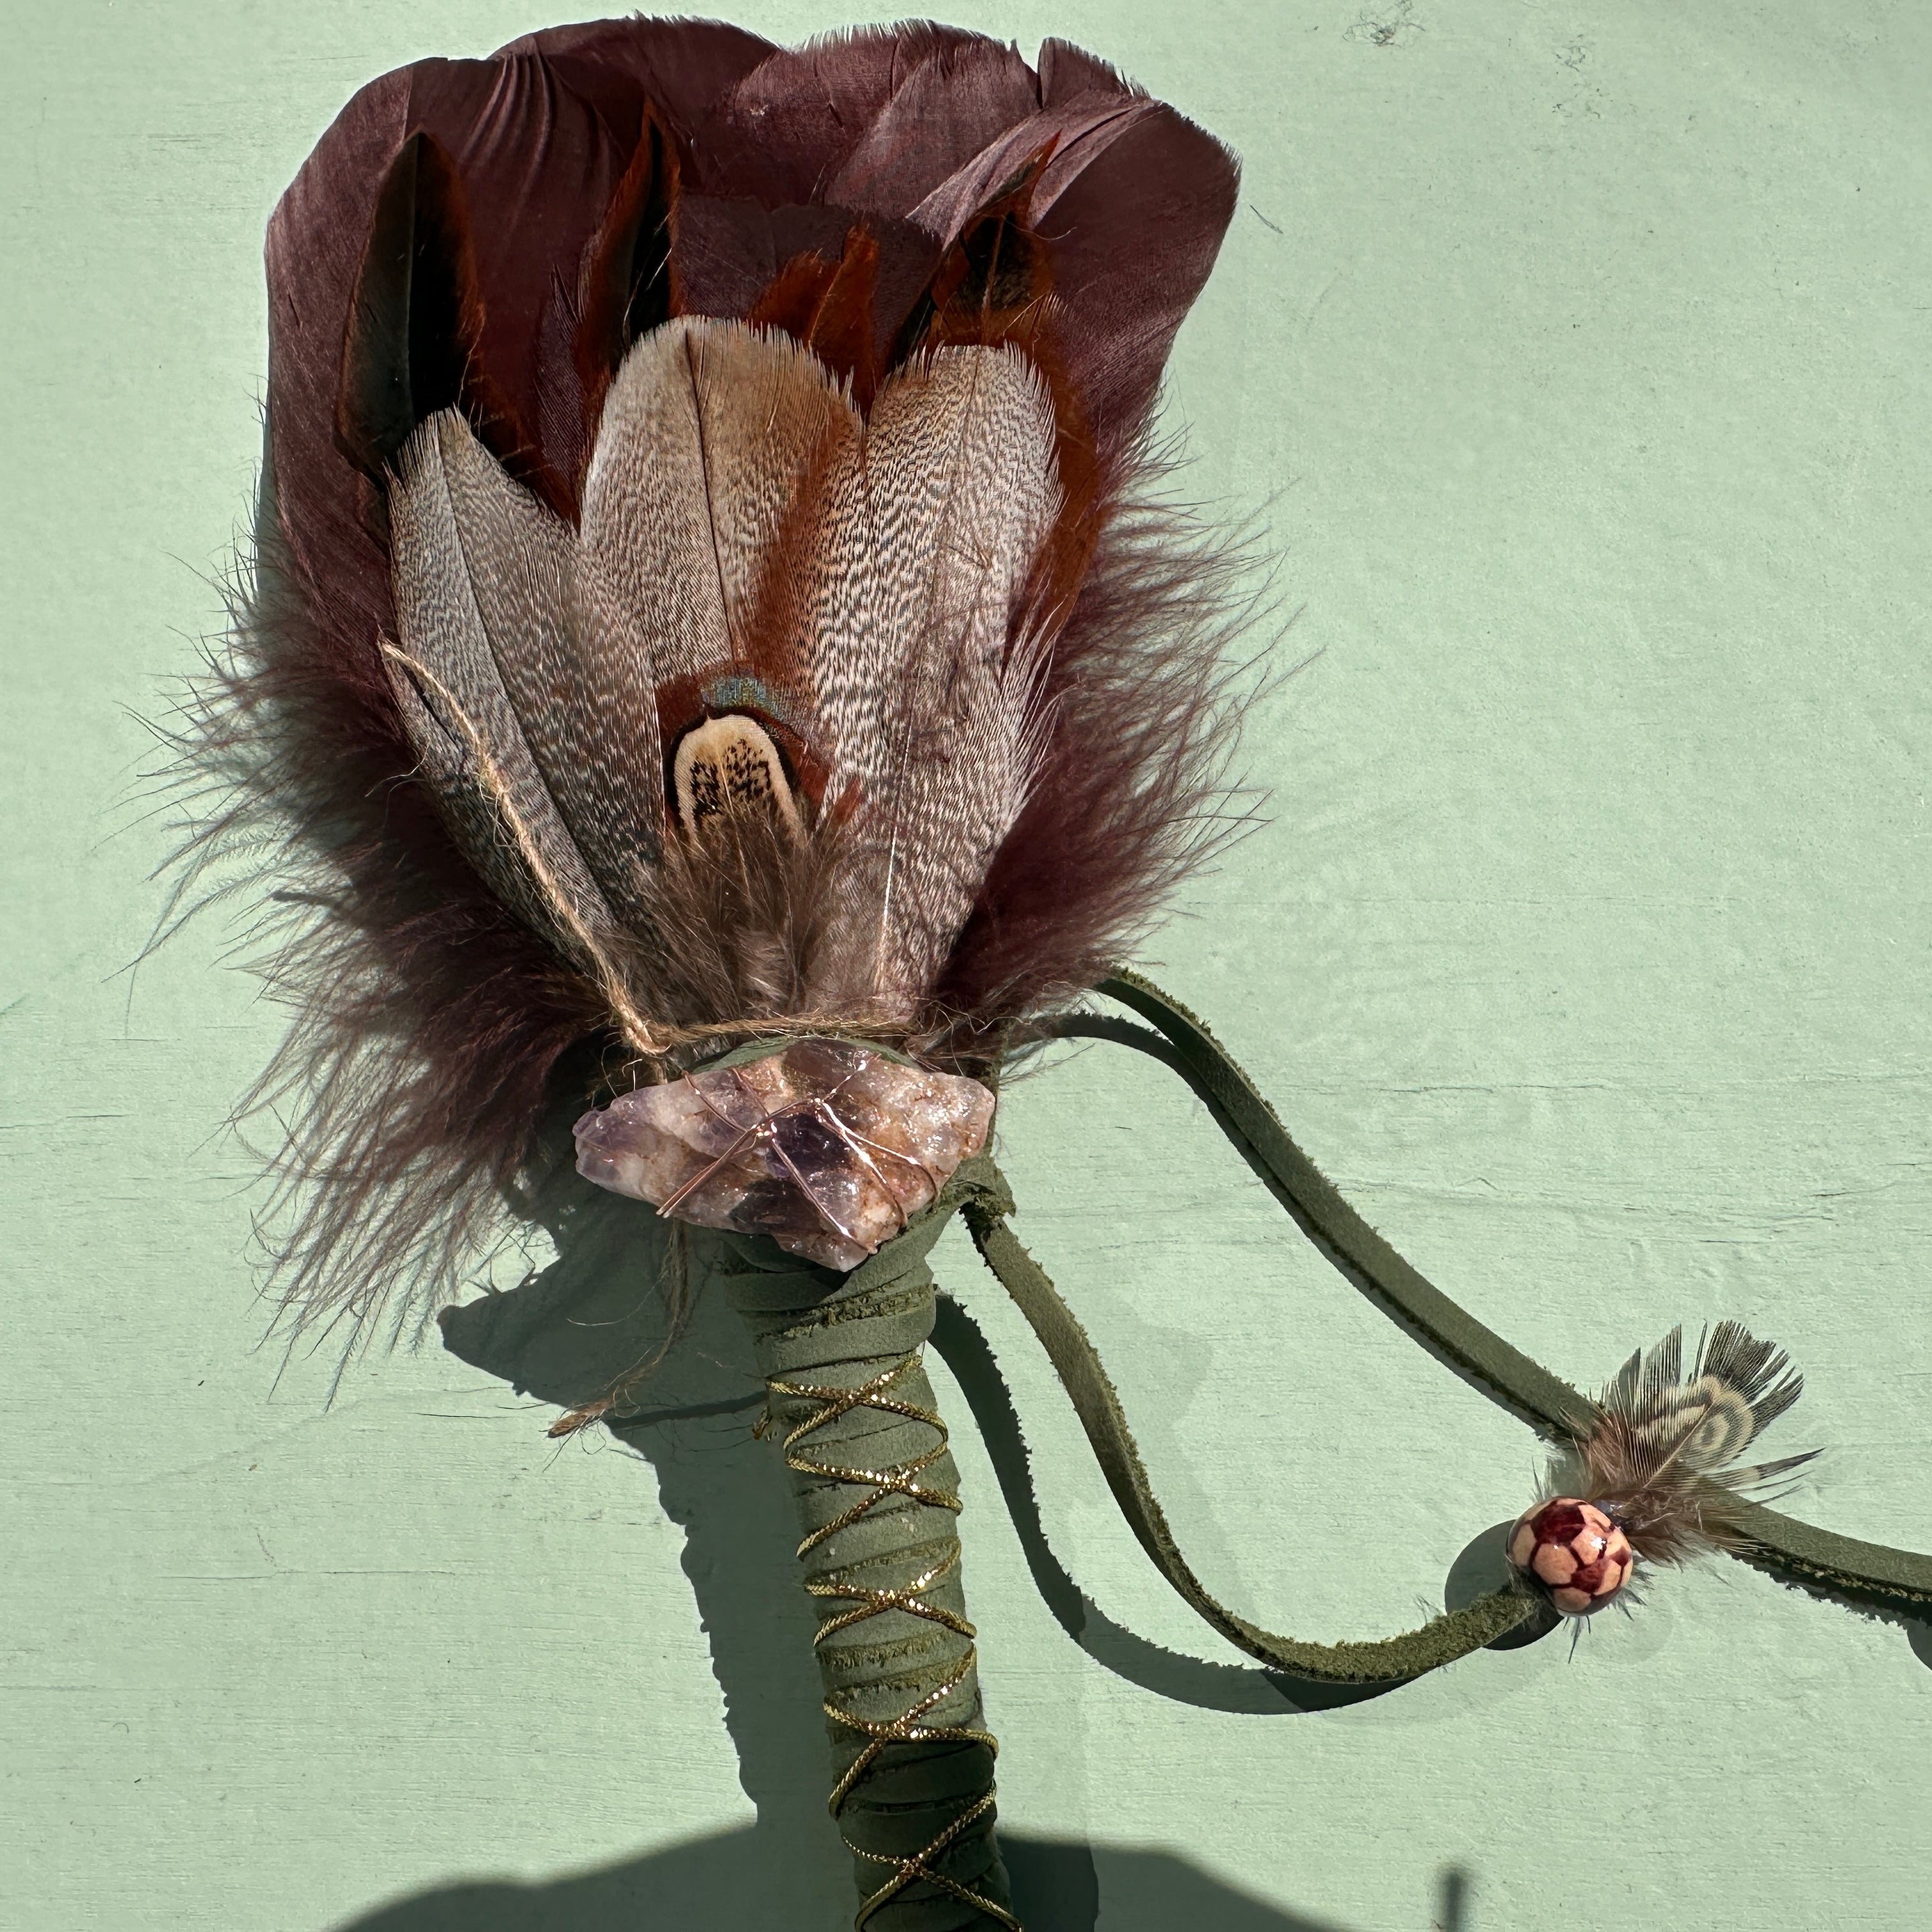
(827, 1146)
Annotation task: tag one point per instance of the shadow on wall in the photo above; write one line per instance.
(570, 1333)
(723, 1884)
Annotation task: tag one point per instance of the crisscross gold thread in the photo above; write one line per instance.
(905, 1870)
(902, 1479)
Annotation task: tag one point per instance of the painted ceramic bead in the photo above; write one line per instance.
(1574, 1552)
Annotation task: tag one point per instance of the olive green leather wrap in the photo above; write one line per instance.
(1441, 1640)
(876, 1488)
(873, 1546)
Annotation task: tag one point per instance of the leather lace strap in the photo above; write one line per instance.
(1865, 1576)
(1440, 1641)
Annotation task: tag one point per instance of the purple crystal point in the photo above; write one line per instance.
(827, 1146)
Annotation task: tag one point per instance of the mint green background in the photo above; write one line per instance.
(1578, 356)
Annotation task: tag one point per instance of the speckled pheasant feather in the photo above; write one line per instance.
(1663, 1454)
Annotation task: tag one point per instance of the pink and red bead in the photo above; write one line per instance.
(1574, 1552)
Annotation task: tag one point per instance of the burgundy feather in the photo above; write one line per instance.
(873, 196)
(629, 284)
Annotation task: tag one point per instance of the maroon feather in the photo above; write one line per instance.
(630, 283)
(780, 134)
(832, 307)
(413, 343)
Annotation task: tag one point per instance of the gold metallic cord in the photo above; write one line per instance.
(905, 1870)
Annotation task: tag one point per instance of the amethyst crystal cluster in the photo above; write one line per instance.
(827, 1146)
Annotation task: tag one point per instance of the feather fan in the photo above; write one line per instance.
(715, 647)
(707, 578)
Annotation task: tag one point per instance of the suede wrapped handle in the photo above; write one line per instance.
(877, 1494)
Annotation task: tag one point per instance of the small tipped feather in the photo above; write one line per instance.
(1662, 1457)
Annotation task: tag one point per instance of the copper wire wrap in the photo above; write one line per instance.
(840, 1583)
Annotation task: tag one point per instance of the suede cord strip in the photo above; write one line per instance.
(1868, 1576)
(1440, 1641)
(876, 1490)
